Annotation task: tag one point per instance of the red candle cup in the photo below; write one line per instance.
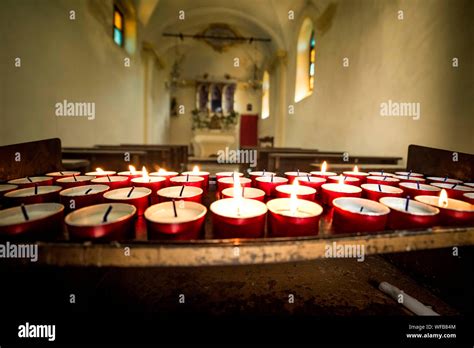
(410, 173)
(42, 221)
(469, 197)
(185, 193)
(110, 221)
(383, 180)
(63, 174)
(183, 221)
(204, 175)
(258, 174)
(74, 181)
(410, 178)
(238, 218)
(416, 189)
(289, 217)
(312, 181)
(82, 196)
(132, 173)
(375, 191)
(381, 173)
(32, 195)
(224, 183)
(291, 176)
(188, 180)
(333, 191)
(248, 192)
(348, 180)
(359, 215)
(221, 175)
(32, 181)
(323, 174)
(100, 173)
(411, 216)
(136, 196)
(432, 179)
(453, 212)
(454, 191)
(165, 174)
(113, 182)
(268, 184)
(356, 174)
(154, 183)
(302, 192)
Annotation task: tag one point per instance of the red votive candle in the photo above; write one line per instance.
(136, 196)
(165, 174)
(114, 182)
(323, 173)
(131, 173)
(348, 180)
(185, 193)
(469, 197)
(290, 217)
(154, 183)
(291, 176)
(32, 181)
(227, 182)
(238, 218)
(411, 215)
(381, 173)
(74, 181)
(268, 184)
(248, 192)
(258, 174)
(362, 176)
(202, 174)
(383, 180)
(32, 195)
(413, 189)
(301, 192)
(410, 178)
(432, 179)
(62, 174)
(312, 181)
(109, 221)
(82, 196)
(454, 190)
(100, 173)
(377, 191)
(221, 175)
(40, 221)
(359, 215)
(409, 173)
(453, 212)
(5, 188)
(333, 191)
(181, 220)
(188, 180)
(469, 184)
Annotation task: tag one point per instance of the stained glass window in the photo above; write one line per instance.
(118, 27)
(312, 60)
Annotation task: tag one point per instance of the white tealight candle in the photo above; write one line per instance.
(83, 190)
(445, 180)
(181, 192)
(408, 174)
(33, 191)
(127, 193)
(99, 172)
(31, 180)
(94, 215)
(303, 209)
(76, 178)
(242, 208)
(6, 188)
(34, 212)
(381, 174)
(186, 212)
(65, 173)
(414, 207)
(299, 190)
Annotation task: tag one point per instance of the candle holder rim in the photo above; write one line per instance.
(450, 187)
(248, 200)
(112, 178)
(346, 178)
(241, 179)
(261, 173)
(180, 178)
(406, 173)
(353, 189)
(374, 187)
(47, 188)
(304, 187)
(318, 172)
(425, 187)
(71, 215)
(70, 172)
(33, 178)
(260, 192)
(381, 178)
(65, 192)
(6, 187)
(199, 190)
(294, 173)
(337, 203)
(59, 208)
(146, 192)
(78, 178)
(270, 203)
(434, 210)
(422, 198)
(452, 180)
(155, 179)
(151, 209)
(267, 179)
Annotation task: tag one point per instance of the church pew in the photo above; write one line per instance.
(105, 159)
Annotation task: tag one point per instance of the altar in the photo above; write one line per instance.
(207, 142)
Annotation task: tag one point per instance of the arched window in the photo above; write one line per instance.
(118, 32)
(266, 95)
(305, 60)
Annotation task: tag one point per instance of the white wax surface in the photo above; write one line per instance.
(230, 180)
(127, 173)
(94, 214)
(249, 192)
(122, 193)
(353, 205)
(406, 173)
(411, 177)
(105, 179)
(79, 178)
(296, 173)
(6, 187)
(247, 208)
(383, 188)
(356, 173)
(344, 188)
(105, 172)
(470, 184)
(164, 212)
(314, 179)
(14, 215)
(81, 190)
(64, 173)
(414, 207)
(300, 189)
(164, 174)
(174, 191)
(34, 179)
(469, 195)
(184, 178)
(381, 174)
(448, 180)
(228, 174)
(304, 209)
(346, 178)
(262, 173)
(319, 173)
(195, 173)
(425, 187)
(276, 179)
(450, 186)
(30, 191)
(150, 179)
(383, 178)
(453, 204)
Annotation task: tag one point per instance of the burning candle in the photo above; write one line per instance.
(453, 212)
(359, 215)
(257, 174)
(136, 196)
(414, 189)
(32, 222)
(407, 214)
(409, 173)
(154, 183)
(188, 180)
(227, 182)
(74, 181)
(99, 172)
(31, 181)
(312, 181)
(348, 180)
(293, 216)
(165, 174)
(181, 220)
(301, 192)
(110, 221)
(291, 176)
(113, 182)
(82, 196)
(32, 195)
(202, 174)
(469, 197)
(185, 193)
(247, 192)
(131, 173)
(62, 174)
(238, 217)
(332, 191)
(410, 178)
(268, 184)
(454, 190)
(432, 179)
(381, 173)
(323, 173)
(362, 176)
(383, 180)
(377, 191)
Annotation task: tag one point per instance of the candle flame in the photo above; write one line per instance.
(443, 199)
(161, 171)
(324, 167)
(99, 170)
(132, 170)
(145, 174)
(237, 193)
(341, 180)
(294, 198)
(356, 169)
(195, 169)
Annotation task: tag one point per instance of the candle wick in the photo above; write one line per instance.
(445, 178)
(74, 177)
(382, 172)
(107, 212)
(129, 193)
(243, 191)
(361, 208)
(174, 208)
(263, 173)
(25, 213)
(108, 177)
(181, 192)
(29, 179)
(87, 192)
(384, 178)
(238, 211)
(297, 172)
(454, 186)
(380, 188)
(61, 173)
(36, 189)
(309, 178)
(187, 177)
(272, 178)
(407, 203)
(418, 185)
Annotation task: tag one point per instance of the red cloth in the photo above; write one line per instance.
(248, 130)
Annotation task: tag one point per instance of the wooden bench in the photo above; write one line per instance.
(105, 159)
